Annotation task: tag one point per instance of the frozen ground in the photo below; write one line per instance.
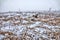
(27, 26)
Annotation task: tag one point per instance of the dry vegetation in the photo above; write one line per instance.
(38, 30)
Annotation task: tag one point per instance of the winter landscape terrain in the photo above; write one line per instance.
(30, 25)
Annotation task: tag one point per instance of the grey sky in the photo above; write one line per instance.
(25, 5)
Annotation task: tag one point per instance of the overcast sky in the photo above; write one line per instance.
(28, 5)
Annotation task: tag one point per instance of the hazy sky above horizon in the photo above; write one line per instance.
(29, 5)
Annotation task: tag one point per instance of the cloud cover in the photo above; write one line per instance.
(28, 5)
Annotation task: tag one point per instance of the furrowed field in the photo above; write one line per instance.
(29, 26)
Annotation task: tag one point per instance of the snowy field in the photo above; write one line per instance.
(29, 26)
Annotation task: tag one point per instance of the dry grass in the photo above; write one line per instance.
(17, 20)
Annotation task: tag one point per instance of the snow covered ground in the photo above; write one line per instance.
(23, 27)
